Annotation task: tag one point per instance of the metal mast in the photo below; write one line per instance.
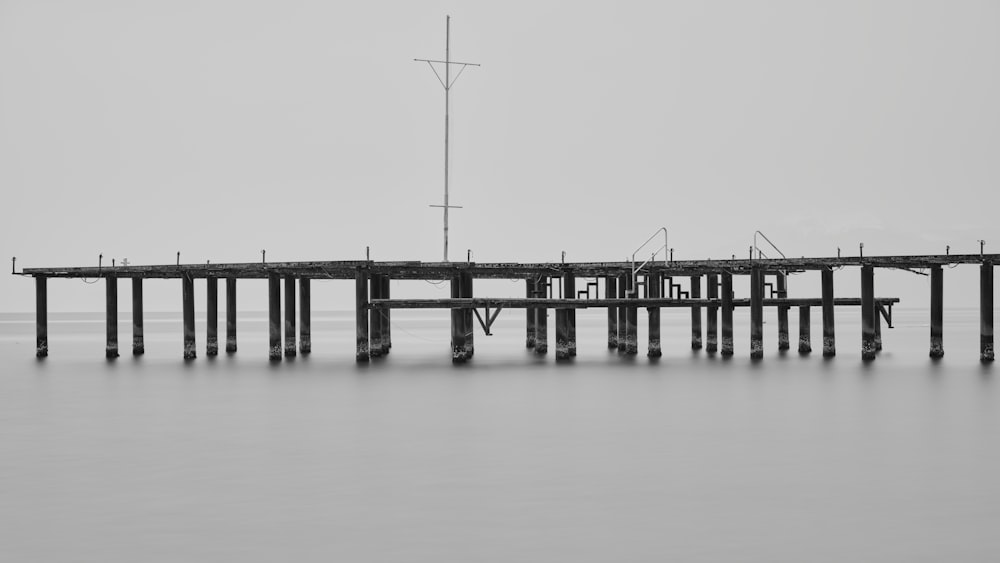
(446, 83)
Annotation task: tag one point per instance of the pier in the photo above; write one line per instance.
(622, 288)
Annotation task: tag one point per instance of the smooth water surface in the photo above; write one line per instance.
(509, 458)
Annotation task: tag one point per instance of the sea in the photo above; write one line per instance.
(512, 457)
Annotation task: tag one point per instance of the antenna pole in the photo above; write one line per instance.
(447, 82)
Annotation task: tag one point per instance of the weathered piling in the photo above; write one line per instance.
(756, 313)
(632, 321)
(727, 314)
(111, 284)
(782, 290)
(805, 336)
(653, 285)
(541, 319)
(274, 316)
(569, 287)
(695, 293)
(362, 351)
(562, 322)
(138, 339)
(458, 353)
(624, 280)
(611, 292)
(305, 316)
(530, 316)
(467, 317)
(212, 317)
(375, 318)
(290, 316)
(712, 315)
(986, 311)
(230, 315)
(187, 296)
(829, 337)
(386, 316)
(878, 326)
(937, 312)
(868, 312)
(41, 317)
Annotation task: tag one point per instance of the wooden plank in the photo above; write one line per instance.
(522, 303)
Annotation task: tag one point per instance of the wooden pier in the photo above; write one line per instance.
(563, 287)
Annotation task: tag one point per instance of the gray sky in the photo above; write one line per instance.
(218, 128)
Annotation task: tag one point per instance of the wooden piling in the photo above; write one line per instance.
(529, 314)
(632, 321)
(305, 316)
(695, 293)
(111, 284)
(541, 319)
(611, 292)
(187, 296)
(230, 315)
(468, 321)
(878, 327)
(138, 338)
(653, 284)
(562, 334)
(362, 351)
(805, 336)
(212, 317)
(727, 314)
(386, 316)
(290, 340)
(712, 315)
(274, 316)
(937, 312)
(782, 285)
(458, 353)
(569, 281)
(624, 280)
(868, 312)
(756, 313)
(41, 317)
(986, 311)
(829, 337)
(375, 318)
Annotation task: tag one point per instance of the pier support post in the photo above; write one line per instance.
(782, 283)
(138, 343)
(111, 350)
(712, 315)
(632, 321)
(878, 328)
(529, 315)
(829, 337)
(805, 336)
(624, 280)
(937, 312)
(569, 280)
(274, 316)
(375, 318)
(212, 317)
(386, 316)
(756, 313)
(868, 312)
(611, 292)
(41, 317)
(290, 316)
(695, 293)
(230, 315)
(541, 319)
(562, 333)
(468, 325)
(187, 296)
(986, 312)
(458, 353)
(727, 314)
(362, 352)
(653, 284)
(305, 316)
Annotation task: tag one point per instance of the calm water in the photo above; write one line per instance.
(511, 458)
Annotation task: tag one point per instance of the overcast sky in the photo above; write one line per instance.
(219, 128)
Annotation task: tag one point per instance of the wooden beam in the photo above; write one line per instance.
(230, 315)
(138, 338)
(305, 316)
(41, 317)
(986, 311)
(829, 336)
(937, 312)
(212, 317)
(274, 317)
(868, 313)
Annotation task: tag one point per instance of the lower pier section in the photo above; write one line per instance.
(187, 296)
(138, 339)
(41, 317)
(111, 350)
(986, 312)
